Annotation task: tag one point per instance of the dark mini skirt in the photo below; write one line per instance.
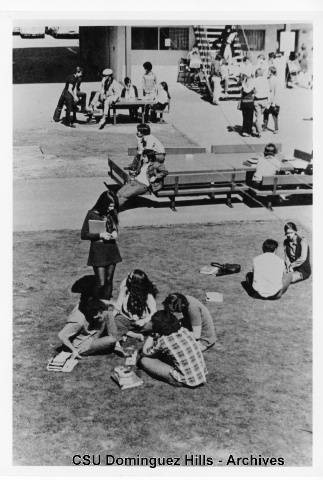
(102, 254)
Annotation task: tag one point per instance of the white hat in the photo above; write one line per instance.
(107, 71)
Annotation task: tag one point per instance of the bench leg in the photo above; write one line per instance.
(269, 204)
(229, 203)
(114, 116)
(173, 204)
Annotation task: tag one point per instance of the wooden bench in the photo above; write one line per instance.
(287, 185)
(242, 148)
(174, 150)
(210, 183)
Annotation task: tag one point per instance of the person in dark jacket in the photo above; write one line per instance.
(71, 96)
(129, 93)
(297, 253)
(103, 233)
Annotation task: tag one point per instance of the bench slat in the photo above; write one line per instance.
(201, 191)
(174, 150)
(295, 180)
(201, 178)
(242, 148)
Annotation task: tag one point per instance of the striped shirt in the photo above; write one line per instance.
(185, 356)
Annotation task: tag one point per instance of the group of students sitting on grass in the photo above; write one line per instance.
(174, 337)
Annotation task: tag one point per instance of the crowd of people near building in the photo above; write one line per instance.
(155, 97)
(258, 79)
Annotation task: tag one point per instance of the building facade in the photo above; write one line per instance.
(126, 48)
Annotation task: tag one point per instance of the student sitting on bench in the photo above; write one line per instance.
(147, 169)
(269, 278)
(171, 353)
(162, 100)
(130, 92)
(267, 165)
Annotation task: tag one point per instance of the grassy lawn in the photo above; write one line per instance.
(258, 396)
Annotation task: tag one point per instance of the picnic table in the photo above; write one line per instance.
(126, 104)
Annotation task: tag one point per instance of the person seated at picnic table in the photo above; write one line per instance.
(297, 253)
(87, 329)
(162, 100)
(269, 278)
(135, 305)
(109, 94)
(130, 93)
(147, 169)
(194, 316)
(268, 165)
(171, 353)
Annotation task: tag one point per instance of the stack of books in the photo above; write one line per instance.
(125, 377)
(62, 362)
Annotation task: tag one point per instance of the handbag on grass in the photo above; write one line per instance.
(226, 268)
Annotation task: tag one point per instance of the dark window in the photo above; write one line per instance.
(173, 38)
(144, 38)
(255, 39)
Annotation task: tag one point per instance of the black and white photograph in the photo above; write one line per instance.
(162, 242)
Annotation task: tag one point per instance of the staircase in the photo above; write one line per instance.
(209, 44)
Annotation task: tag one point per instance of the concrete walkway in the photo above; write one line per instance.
(59, 203)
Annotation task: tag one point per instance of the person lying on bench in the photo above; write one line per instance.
(171, 353)
(87, 329)
(147, 169)
(195, 317)
(269, 278)
(297, 254)
(267, 165)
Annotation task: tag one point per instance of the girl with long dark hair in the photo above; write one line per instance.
(101, 228)
(135, 304)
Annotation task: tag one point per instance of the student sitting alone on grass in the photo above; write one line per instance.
(171, 353)
(269, 278)
(196, 317)
(267, 165)
(297, 253)
(147, 170)
(87, 329)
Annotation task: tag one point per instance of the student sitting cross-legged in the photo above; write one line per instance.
(171, 353)
(195, 317)
(269, 278)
